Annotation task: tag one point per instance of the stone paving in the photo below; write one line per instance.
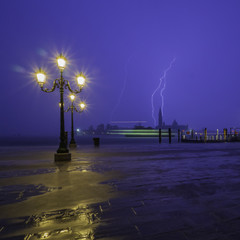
(178, 191)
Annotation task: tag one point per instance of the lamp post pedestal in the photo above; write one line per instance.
(72, 145)
(62, 157)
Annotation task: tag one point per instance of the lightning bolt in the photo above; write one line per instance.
(161, 80)
(124, 86)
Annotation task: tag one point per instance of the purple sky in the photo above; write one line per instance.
(124, 46)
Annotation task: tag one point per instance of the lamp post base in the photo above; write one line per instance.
(62, 157)
(72, 145)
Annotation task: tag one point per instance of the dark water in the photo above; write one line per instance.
(28, 141)
(81, 140)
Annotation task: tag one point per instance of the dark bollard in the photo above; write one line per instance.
(170, 135)
(205, 135)
(179, 135)
(96, 142)
(160, 135)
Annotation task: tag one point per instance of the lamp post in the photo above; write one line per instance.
(73, 108)
(61, 83)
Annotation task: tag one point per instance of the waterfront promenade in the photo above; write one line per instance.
(128, 191)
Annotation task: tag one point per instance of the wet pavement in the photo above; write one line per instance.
(142, 191)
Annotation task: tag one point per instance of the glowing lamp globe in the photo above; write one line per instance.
(82, 105)
(80, 79)
(61, 62)
(72, 97)
(41, 77)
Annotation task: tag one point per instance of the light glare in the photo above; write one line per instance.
(82, 105)
(61, 62)
(41, 76)
(80, 80)
(72, 97)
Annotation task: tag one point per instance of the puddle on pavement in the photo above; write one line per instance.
(17, 193)
(25, 172)
(73, 223)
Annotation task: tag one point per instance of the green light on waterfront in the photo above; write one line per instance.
(139, 132)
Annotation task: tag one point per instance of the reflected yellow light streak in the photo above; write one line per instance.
(83, 220)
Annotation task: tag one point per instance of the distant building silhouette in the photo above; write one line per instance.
(174, 125)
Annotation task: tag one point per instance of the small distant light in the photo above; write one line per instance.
(78, 130)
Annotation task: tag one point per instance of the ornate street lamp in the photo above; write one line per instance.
(73, 108)
(61, 83)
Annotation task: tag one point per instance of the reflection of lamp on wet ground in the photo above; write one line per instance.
(73, 108)
(61, 83)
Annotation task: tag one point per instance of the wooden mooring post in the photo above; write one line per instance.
(179, 135)
(205, 135)
(225, 134)
(160, 135)
(170, 135)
